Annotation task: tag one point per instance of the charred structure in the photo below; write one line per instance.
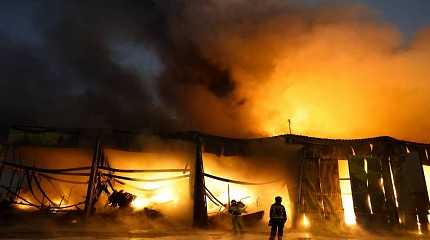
(374, 182)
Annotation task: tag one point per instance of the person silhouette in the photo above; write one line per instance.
(278, 217)
(236, 209)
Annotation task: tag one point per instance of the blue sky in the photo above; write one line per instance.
(408, 15)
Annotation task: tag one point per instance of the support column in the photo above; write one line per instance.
(200, 212)
(89, 200)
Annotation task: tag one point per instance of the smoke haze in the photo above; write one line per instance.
(234, 68)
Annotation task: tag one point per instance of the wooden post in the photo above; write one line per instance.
(376, 193)
(359, 189)
(228, 196)
(299, 190)
(12, 178)
(89, 200)
(392, 213)
(200, 212)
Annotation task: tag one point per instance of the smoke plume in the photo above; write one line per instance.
(235, 68)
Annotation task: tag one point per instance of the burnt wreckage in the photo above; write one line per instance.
(382, 179)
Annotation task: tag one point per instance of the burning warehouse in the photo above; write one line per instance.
(204, 92)
(191, 177)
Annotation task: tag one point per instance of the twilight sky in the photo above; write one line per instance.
(408, 15)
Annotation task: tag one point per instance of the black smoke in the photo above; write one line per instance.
(70, 77)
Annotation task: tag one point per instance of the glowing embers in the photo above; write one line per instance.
(346, 192)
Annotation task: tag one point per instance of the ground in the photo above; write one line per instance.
(72, 227)
(192, 235)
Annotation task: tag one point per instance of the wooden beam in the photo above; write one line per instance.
(200, 212)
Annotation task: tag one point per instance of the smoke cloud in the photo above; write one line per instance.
(235, 68)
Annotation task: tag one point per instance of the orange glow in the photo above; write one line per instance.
(255, 197)
(331, 94)
(335, 72)
(171, 197)
(155, 193)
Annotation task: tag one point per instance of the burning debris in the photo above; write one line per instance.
(120, 199)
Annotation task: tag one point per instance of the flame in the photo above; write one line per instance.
(163, 197)
(305, 221)
(160, 195)
(23, 206)
(152, 194)
(139, 203)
